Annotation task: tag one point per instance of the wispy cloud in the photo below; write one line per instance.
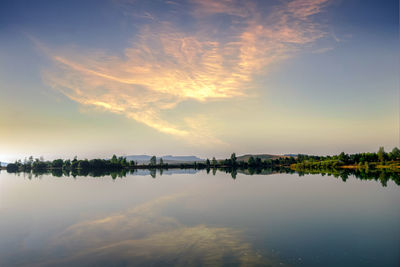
(322, 50)
(165, 64)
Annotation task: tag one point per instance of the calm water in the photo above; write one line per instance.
(195, 218)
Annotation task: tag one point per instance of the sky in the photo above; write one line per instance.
(197, 77)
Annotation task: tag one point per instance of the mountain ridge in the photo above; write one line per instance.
(166, 158)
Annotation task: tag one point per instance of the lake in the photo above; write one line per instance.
(194, 218)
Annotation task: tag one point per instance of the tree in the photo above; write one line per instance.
(114, 159)
(39, 165)
(395, 153)
(343, 157)
(57, 163)
(12, 167)
(208, 163)
(233, 159)
(122, 161)
(214, 162)
(83, 164)
(251, 161)
(74, 163)
(381, 154)
(67, 164)
(153, 160)
(161, 161)
(30, 161)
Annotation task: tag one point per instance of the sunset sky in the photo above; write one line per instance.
(197, 77)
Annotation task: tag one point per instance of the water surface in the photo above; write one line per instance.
(189, 217)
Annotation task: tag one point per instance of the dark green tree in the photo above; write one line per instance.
(83, 164)
(233, 159)
(208, 163)
(12, 167)
(153, 161)
(67, 164)
(74, 163)
(57, 163)
(395, 154)
(251, 161)
(343, 157)
(381, 154)
(214, 162)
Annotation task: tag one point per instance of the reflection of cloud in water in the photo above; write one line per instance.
(142, 236)
(147, 172)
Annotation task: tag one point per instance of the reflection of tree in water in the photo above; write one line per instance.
(234, 173)
(57, 172)
(381, 175)
(144, 237)
(153, 173)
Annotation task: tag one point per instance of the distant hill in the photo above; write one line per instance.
(138, 158)
(181, 158)
(145, 159)
(261, 156)
(3, 164)
(291, 155)
(166, 159)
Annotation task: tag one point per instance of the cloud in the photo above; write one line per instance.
(165, 64)
(322, 50)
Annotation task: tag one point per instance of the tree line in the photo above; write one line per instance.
(381, 175)
(299, 162)
(115, 163)
(380, 159)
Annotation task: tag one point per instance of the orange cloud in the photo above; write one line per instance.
(165, 65)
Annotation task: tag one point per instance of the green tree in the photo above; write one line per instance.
(122, 161)
(161, 161)
(395, 153)
(114, 159)
(251, 161)
(343, 157)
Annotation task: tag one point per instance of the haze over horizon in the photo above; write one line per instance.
(197, 77)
